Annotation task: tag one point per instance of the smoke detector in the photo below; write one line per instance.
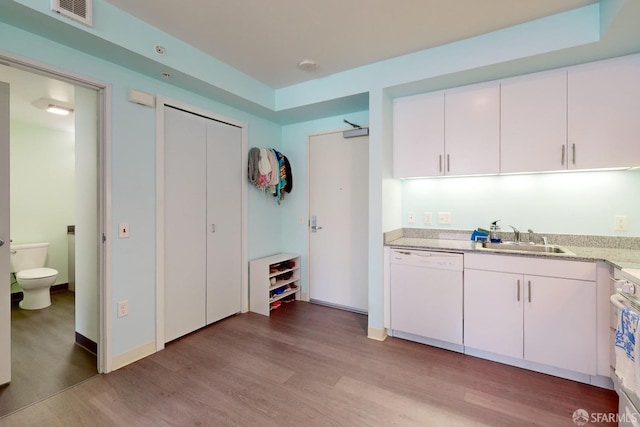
(307, 65)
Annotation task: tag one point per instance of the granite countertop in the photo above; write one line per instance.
(623, 254)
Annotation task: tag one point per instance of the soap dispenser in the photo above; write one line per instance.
(493, 232)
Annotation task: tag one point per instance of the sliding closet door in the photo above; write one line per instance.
(185, 222)
(224, 218)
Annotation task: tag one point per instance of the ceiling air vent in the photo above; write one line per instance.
(78, 10)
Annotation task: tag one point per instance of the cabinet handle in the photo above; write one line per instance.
(573, 148)
(529, 284)
(518, 289)
(562, 158)
(448, 163)
(213, 228)
(440, 163)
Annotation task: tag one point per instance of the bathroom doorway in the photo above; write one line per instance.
(55, 197)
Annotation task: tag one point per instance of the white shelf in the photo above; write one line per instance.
(261, 291)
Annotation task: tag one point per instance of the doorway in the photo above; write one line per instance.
(56, 179)
(339, 212)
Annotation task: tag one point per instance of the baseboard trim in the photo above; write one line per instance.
(86, 343)
(377, 334)
(134, 355)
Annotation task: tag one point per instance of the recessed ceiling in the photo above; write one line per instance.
(267, 39)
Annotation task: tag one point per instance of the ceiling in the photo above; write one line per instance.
(26, 87)
(267, 39)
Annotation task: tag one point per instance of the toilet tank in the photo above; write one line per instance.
(28, 256)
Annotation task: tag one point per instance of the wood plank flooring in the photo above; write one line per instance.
(310, 365)
(44, 357)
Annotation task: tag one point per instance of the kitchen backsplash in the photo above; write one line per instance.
(576, 203)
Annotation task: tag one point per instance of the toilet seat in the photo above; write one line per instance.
(36, 273)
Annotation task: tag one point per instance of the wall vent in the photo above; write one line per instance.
(78, 10)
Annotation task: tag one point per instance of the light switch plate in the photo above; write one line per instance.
(427, 218)
(123, 230)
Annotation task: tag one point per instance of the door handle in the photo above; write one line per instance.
(314, 224)
(518, 285)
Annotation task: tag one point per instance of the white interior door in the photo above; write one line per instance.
(185, 223)
(224, 219)
(338, 201)
(5, 291)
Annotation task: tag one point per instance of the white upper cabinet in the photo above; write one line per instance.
(534, 123)
(418, 135)
(582, 117)
(472, 130)
(604, 112)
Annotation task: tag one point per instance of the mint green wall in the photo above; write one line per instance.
(572, 203)
(42, 190)
(559, 40)
(295, 146)
(133, 177)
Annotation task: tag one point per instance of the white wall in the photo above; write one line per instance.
(42, 190)
(570, 203)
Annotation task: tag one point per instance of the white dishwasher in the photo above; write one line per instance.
(426, 297)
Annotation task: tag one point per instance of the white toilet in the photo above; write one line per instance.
(27, 261)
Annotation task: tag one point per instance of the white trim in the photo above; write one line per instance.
(161, 103)
(376, 334)
(105, 332)
(134, 355)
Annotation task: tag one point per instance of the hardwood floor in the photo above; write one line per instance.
(44, 357)
(310, 365)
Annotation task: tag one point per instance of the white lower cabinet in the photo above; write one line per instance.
(522, 315)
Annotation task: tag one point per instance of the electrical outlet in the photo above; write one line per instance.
(444, 218)
(123, 308)
(620, 223)
(427, 218)
(411, 218)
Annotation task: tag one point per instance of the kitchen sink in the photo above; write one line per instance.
(527, 247)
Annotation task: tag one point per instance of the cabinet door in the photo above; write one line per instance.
(533, 125)
(418, 135)
(185, 177)
(560, 323)
(224, 220)
(493, 312)
(427, 302)
(604, 105)
(472, 130)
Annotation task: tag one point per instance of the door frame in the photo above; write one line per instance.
(161, 104)
(307, 296)
(104, 92)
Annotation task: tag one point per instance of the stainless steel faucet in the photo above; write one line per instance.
(517, 234)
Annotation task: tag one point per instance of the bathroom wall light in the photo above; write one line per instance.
(56, 109)
(54, 106)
